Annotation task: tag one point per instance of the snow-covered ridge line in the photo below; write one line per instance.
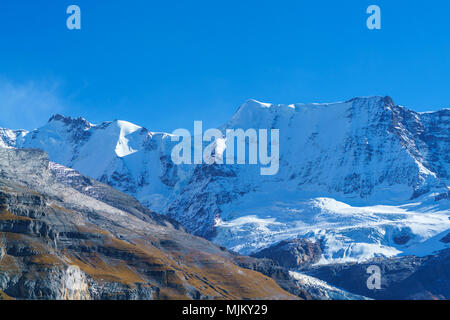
(363, 153)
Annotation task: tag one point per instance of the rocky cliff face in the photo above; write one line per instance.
(294, 254)
(59, 243)
(408, 278)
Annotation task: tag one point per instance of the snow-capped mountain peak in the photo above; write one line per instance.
(10, 138)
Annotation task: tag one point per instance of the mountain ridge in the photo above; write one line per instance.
(364, 152)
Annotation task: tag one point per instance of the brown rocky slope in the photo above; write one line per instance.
(59, 243)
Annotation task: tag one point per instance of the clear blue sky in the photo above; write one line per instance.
(164, 64)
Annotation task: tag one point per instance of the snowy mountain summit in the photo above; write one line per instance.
(357, 148)
(365, 177)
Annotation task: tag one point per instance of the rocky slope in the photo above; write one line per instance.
(59, 243)
(293, 254)
(403, 277)
(422, 278)
(302, 285)
(320, 290)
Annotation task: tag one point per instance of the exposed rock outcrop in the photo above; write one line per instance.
(295, 254)
(401, 278)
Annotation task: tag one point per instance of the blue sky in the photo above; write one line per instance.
(164, 64)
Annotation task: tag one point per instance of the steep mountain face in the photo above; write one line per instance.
(107, 194)
(8, 138)
(407, 278)
(357, 148)
(364, 177)
(60, 243)
(125, 156)
(320, 290)
(294, 254)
